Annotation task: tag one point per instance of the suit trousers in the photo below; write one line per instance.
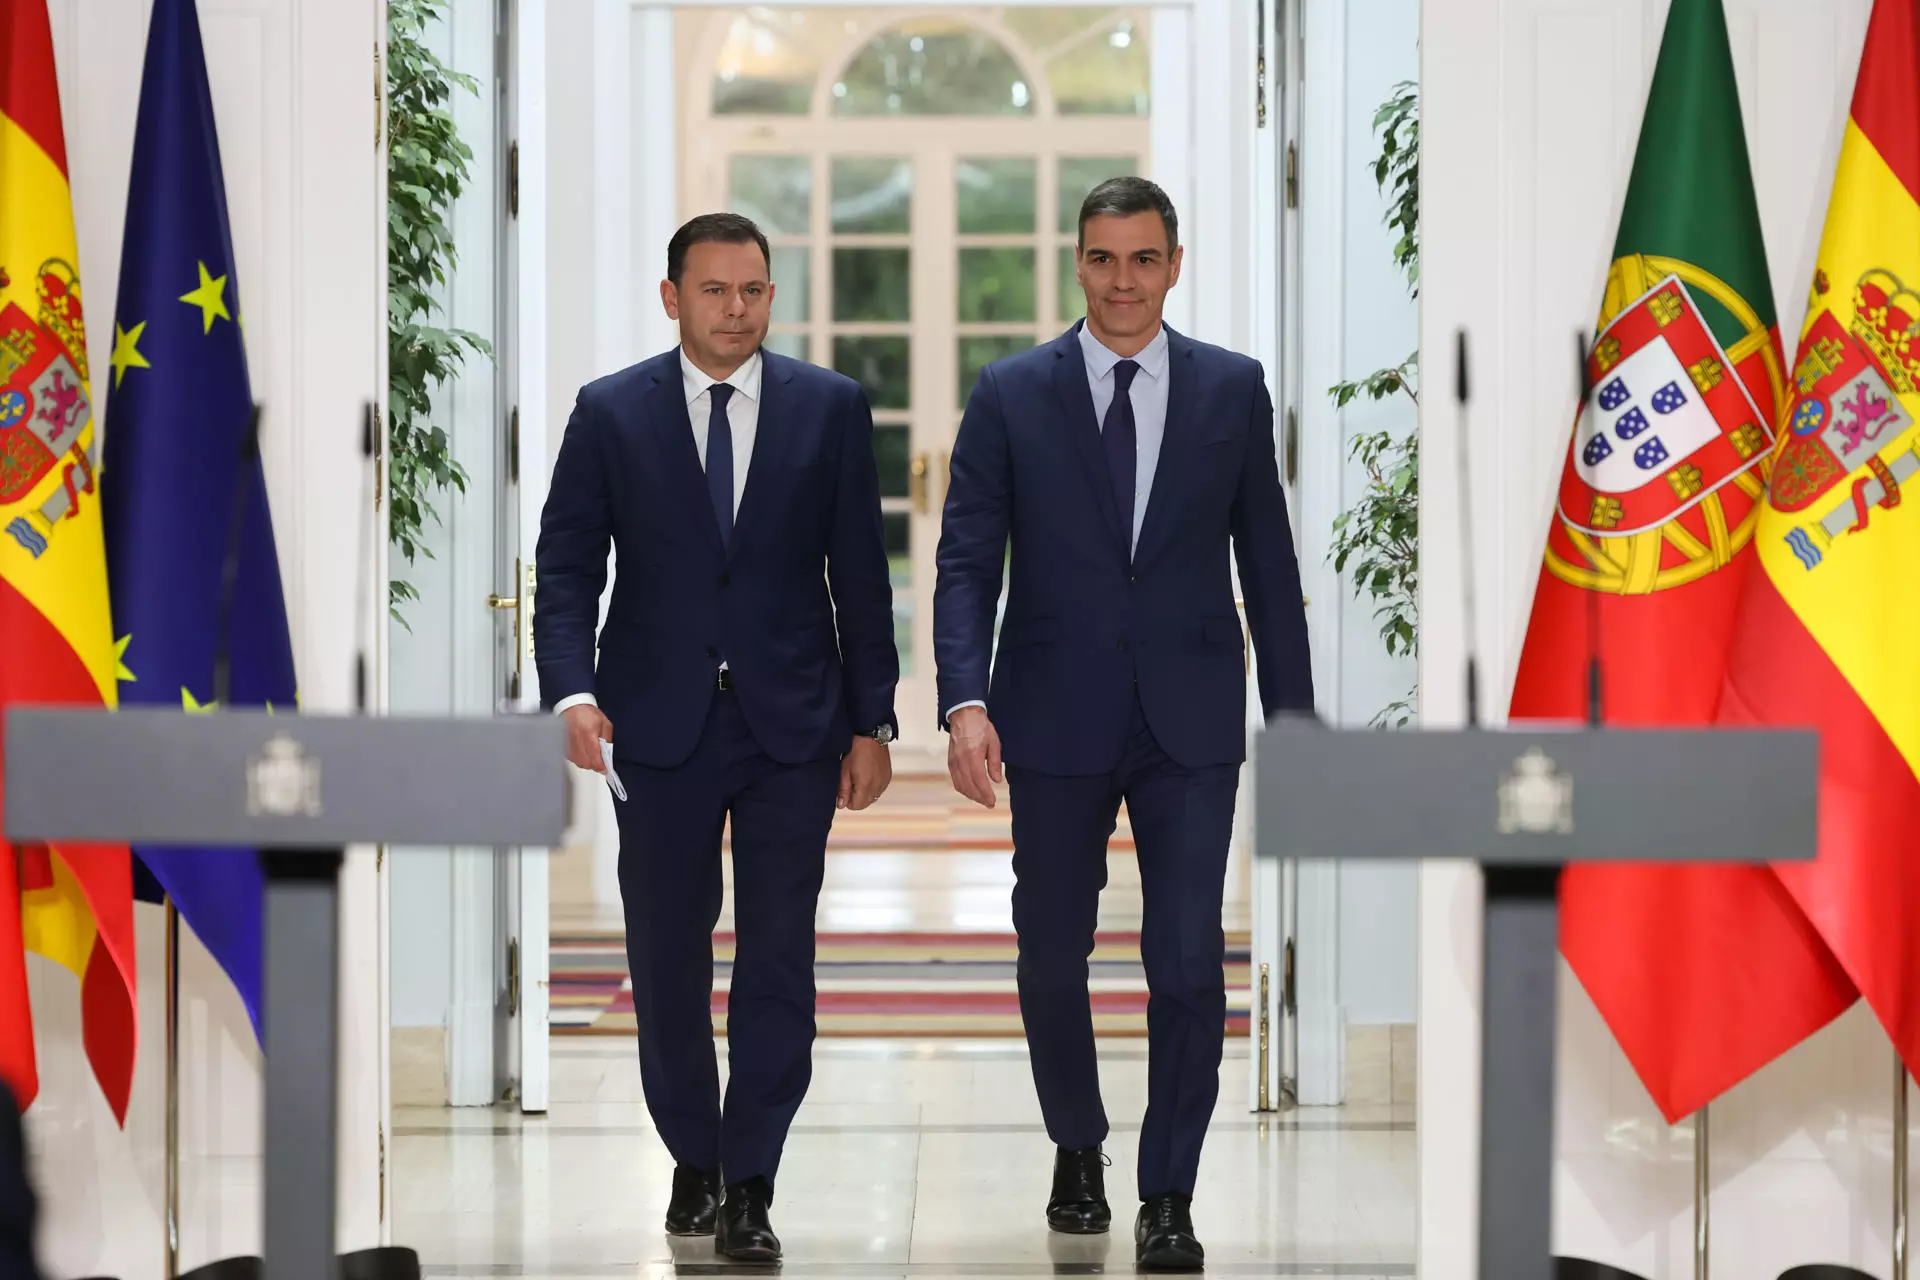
(670, 884)
(1182, 822)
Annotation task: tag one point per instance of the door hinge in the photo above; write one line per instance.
(1260, 65)
(513, 977)
(513, 445)
(379, 459)
(1293, 445)
(513, 180)
(379, 97)
(1286, 982)
(383, 1171)
(1293, 175)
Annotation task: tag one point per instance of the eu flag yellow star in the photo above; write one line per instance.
(193, 704)
(210, 297)
(122, 672)
(126, 351)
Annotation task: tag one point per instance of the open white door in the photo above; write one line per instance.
(523, 365)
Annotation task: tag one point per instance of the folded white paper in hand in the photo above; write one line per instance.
(613, 779)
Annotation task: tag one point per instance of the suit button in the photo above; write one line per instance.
(1123, 646)
(1133, 577)
(726, 580)
(712, 652)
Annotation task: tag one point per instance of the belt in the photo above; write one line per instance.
(724, 680)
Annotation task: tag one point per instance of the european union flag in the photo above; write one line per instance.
(177, 421)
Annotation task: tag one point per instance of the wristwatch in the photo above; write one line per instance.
(882, 735)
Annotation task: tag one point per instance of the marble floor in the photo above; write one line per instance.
(923, 1158)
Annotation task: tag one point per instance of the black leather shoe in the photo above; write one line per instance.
(696, 1199)
(1078, 1206)
(1163, 1238)
(745, 1234)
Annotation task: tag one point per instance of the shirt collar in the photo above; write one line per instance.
(745, 380)
(1101, 359)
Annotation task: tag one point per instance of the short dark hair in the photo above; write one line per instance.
(1124, 197)
(713, 228)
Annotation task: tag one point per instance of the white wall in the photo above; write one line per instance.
(1531, 114)
(1359, 318)
(293, 92)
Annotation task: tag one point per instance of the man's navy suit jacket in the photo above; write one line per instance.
(1084, 619)
(806, 554)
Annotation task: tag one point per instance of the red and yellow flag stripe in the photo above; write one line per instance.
(75, 902)
(1828, 630)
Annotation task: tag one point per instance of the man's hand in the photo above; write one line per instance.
(864, 774)
(973, 755)
(586, 730)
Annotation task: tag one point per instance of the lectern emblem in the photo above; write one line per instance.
(282, 782)
(1535, 797)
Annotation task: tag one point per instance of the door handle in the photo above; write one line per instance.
(917, 481)
(502, 602)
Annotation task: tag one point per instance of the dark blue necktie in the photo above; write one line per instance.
(1123, 447)
(720, 461)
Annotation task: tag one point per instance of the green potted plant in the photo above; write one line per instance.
(426, 173)
(1378, 538)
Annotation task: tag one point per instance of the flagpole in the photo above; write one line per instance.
(1701, 1194)
(173, 1090)
(1899, 1167)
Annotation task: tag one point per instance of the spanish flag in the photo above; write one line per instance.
(1702, 973)
(74, 902)
(1829, 631)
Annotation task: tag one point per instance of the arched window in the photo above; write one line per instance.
(919, 176)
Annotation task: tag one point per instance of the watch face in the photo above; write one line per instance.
(883, 735)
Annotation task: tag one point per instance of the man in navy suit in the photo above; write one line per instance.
(748, 661)
(1122, 459)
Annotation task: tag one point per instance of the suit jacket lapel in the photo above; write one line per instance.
(1176, 442)
(682, 476)
(770, 445)
(1083, 429)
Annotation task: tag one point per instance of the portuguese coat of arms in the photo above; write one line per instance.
(1668, 454)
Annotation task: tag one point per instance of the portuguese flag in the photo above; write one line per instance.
(1703, 973)
(73, 903)
(1828, 625)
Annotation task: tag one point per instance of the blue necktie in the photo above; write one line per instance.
(720, 461)
(1123, 446)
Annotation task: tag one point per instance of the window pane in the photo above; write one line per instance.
(976, 353)
(896, 533)
(995, 195)
(1073, 299)
(892, 448)
(1081, 174)
(792, 344)
(775, 191)
(768, 65)
(932, 67)
(1106, 75)
(878, 364)
(996, 284)
(792, 283)
(1048, 28)
(870, 284)
(872, 195)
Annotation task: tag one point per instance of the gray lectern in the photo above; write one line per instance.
(299, 788)
(1524, 803)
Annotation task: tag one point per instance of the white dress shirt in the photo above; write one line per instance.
(743, 420)
(1148, 395)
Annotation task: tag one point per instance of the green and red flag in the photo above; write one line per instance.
(1703, 973)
